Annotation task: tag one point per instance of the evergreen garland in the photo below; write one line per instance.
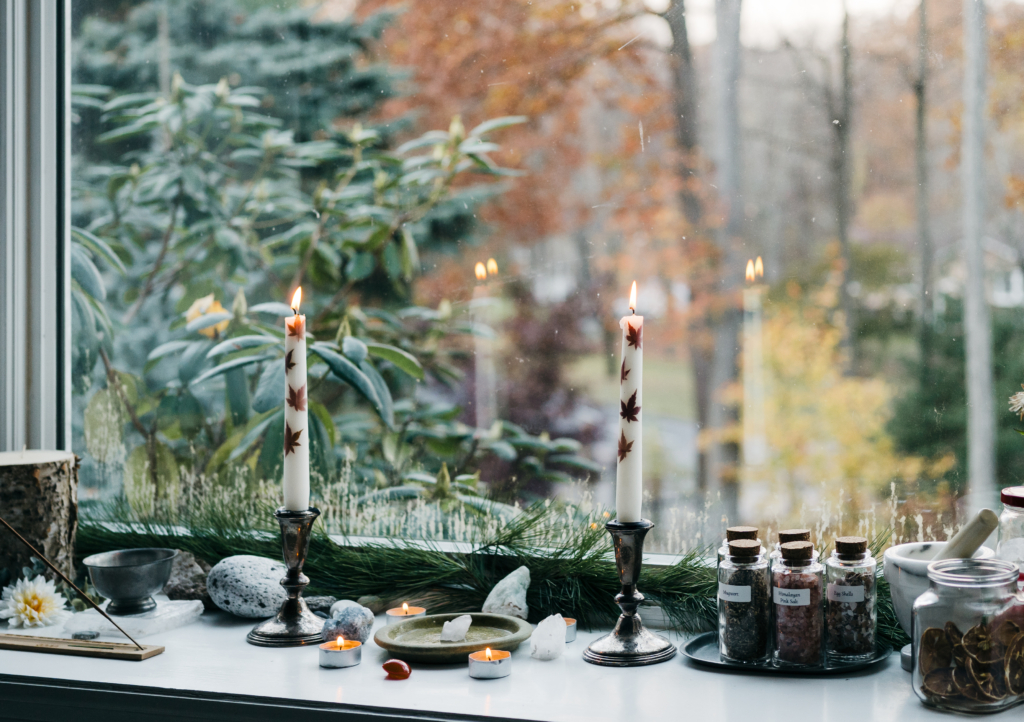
(571, 569)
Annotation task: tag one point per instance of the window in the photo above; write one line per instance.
(819, 215)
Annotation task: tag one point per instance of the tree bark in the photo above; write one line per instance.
(924, 236)
(977, 323)
(40, 499)
(723, 456)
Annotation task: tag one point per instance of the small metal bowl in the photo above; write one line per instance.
(129, 577)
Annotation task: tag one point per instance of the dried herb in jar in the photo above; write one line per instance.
(798, 614)
(744, 607)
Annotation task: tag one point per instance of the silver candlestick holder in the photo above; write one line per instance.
(294, 625)
(630, 644)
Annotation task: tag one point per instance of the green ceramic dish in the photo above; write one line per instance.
(419, 640)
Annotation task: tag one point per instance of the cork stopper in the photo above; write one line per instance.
(792, 535)
(740, 532)
(851, 547)
(746, 548)
(797, 552)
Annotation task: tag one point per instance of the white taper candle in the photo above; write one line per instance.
(629, 488)
(296, 419)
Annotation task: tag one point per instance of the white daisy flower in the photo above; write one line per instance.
(1017, 403)
(33, 603)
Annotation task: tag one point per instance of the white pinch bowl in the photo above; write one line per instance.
(906, 569)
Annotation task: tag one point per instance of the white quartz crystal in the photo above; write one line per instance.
(167, 615)
(455, 630)
(509, 595)
(548, 639)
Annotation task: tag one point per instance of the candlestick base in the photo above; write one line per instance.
(294, 625)
(630, 644)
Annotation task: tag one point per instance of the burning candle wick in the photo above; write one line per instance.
(487, 652)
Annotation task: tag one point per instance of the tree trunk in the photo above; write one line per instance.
(722, 456)
(924, 236)
(978, 332)
(685, 97)
(40, 499)
(841, 113)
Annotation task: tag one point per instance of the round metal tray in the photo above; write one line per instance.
(703, 650)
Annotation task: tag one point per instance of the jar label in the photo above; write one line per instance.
(792, 597)
(843, 593)
(732, 593)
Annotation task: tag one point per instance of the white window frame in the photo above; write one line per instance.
(35, 224)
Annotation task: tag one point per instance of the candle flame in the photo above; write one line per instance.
(487, 653)
(297, 299)
(750, 271)
(632, 297)
(759, 268)
(480, 271)
(405, 607)
(492, 267)
(339, 642)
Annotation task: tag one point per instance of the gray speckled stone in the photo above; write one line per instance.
(247, 586)
(341, 604)
(374, 603)
(351, 622)
(320, 603)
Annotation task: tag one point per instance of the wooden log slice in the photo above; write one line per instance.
(39, 498)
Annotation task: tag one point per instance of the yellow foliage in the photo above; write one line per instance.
(825, 430)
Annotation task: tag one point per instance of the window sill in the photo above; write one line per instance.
(209, 672)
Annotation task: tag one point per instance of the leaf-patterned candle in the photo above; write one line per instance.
(296, 418)
(629, 480)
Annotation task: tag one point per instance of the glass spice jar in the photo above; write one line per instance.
(735, 533)
(744, 607)
(969, 636)
(1010, 546)
(796, 591)
(786, 536)
(850, 613)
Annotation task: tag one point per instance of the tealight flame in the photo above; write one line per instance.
(632, 297)
(487, 653)
(750, 271)
(492, 267)
(480, 271)
(297, 299)
(759, 268)
(339, 643)
(405, 607)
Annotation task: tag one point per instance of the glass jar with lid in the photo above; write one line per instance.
(744, 606)
(796, 593)
(734, 533)
(1010, 546)
(969, 636)
(850, 613)
(786, 536)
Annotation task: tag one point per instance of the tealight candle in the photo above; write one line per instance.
(490, 664)
(400, 614)
(570, 629)
(341, 653)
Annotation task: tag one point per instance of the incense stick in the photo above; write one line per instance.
(84, 596)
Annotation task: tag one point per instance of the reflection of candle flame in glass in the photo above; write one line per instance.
(405, 607)
(632, 297)
(492, 267)
(297, 299)
(759, 268)
(480, 271)
(487, 653)
(750, 271)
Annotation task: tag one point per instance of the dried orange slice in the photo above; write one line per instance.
(1014, 662)
(981, 646)
(954, 634)
(939, 683)
(988, 678)
(936, 652)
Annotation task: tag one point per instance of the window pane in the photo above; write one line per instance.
(821, 217)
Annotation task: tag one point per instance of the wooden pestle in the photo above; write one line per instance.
(970, 537)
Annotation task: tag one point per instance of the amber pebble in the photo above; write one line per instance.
(397, 669)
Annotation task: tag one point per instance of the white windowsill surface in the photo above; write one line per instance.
(210, 660)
